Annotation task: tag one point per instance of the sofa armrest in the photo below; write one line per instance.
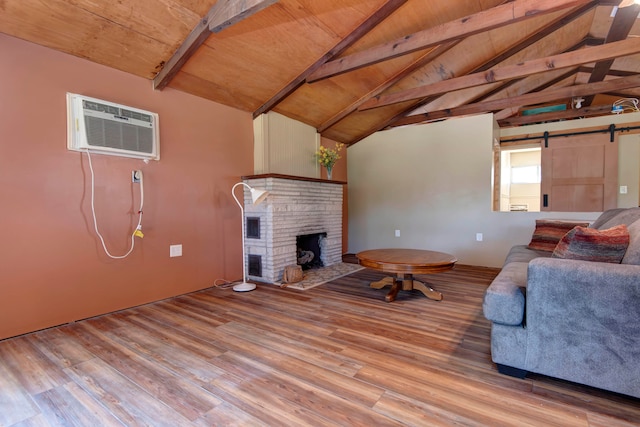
(504, 299)
(583, 322)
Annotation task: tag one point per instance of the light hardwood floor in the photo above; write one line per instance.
(337, 354)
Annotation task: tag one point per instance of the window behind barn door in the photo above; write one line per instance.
(579, 173)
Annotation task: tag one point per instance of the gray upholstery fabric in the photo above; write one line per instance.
(625, 216)
(605, 216)
(504, 300)
(521, 253)
(582, 318)
(632, 256)
(508, 344)
(583, 323)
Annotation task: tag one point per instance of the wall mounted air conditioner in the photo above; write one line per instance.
(107, 128)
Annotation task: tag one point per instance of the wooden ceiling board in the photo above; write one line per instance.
(319, 102)
(474, 51)
(502, 39)
(363, 123)
(627, 63)
(246, 64)
(602, 22)
(228, 95)
(167, 21)
(328, 96)
(418, 16)
(91, 36)
(286, 42)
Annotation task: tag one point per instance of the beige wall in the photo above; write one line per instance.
(629, 170)
(433, 183)
(285, 146)
(53, 269)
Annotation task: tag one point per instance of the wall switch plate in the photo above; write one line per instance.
(479, 237)
(175, 250)
(623, 189)
(397, 233)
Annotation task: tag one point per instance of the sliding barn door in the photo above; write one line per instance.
(579, 173)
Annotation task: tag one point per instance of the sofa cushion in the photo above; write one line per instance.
(605, 217)
(548, 233)
(522, 253)
(504, 299)
(632, 256)
(590, 244)
(625, 216)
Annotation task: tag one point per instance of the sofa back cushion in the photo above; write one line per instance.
(606, 217)
(623, 216)
(548, 233)
(590, 244)
(632, 256)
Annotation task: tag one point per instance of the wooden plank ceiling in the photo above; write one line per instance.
(352, 67)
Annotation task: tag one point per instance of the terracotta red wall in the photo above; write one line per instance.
(52, 267)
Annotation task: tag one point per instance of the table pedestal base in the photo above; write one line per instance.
(405, 282)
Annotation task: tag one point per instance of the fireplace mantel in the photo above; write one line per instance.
(291, 177)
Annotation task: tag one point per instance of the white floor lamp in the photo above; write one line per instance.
(257, 197)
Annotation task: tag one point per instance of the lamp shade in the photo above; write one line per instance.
(258, 196)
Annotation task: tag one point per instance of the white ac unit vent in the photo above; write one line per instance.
(107, 128)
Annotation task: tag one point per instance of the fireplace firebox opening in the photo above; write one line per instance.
(309, 250)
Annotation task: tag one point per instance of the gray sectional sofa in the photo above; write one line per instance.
(571, 319)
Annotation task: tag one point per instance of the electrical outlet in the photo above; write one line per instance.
(478, 237)
(623, 189)
(397, 233)
(175, 250)
(135, 176)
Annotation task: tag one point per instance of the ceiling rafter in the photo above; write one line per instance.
(508, 72)
(421, 61)
(615, 73)
(490, 19)
(377, 17)
(222, 15)
(482, 97)
(596, 110)
(541, 33)
(511, 110)
(526, 99)
(619, 30)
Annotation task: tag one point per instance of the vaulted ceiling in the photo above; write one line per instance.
(352, 67)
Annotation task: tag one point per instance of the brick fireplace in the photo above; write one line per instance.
(296, 206)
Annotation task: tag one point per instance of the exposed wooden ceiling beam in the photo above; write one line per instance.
(539, 34)
(377, 17)
(527, 99)
(222, 15)
(496, 17)
(508, 72)
(596, 110)
(424, 59)
(620, 28)
(615, 73)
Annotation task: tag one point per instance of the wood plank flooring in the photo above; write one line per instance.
(337, 354)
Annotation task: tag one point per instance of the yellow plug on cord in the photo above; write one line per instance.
(138, 232)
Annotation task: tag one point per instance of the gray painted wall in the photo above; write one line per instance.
(433, 183)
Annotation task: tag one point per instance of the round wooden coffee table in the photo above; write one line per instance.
(405, 263)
